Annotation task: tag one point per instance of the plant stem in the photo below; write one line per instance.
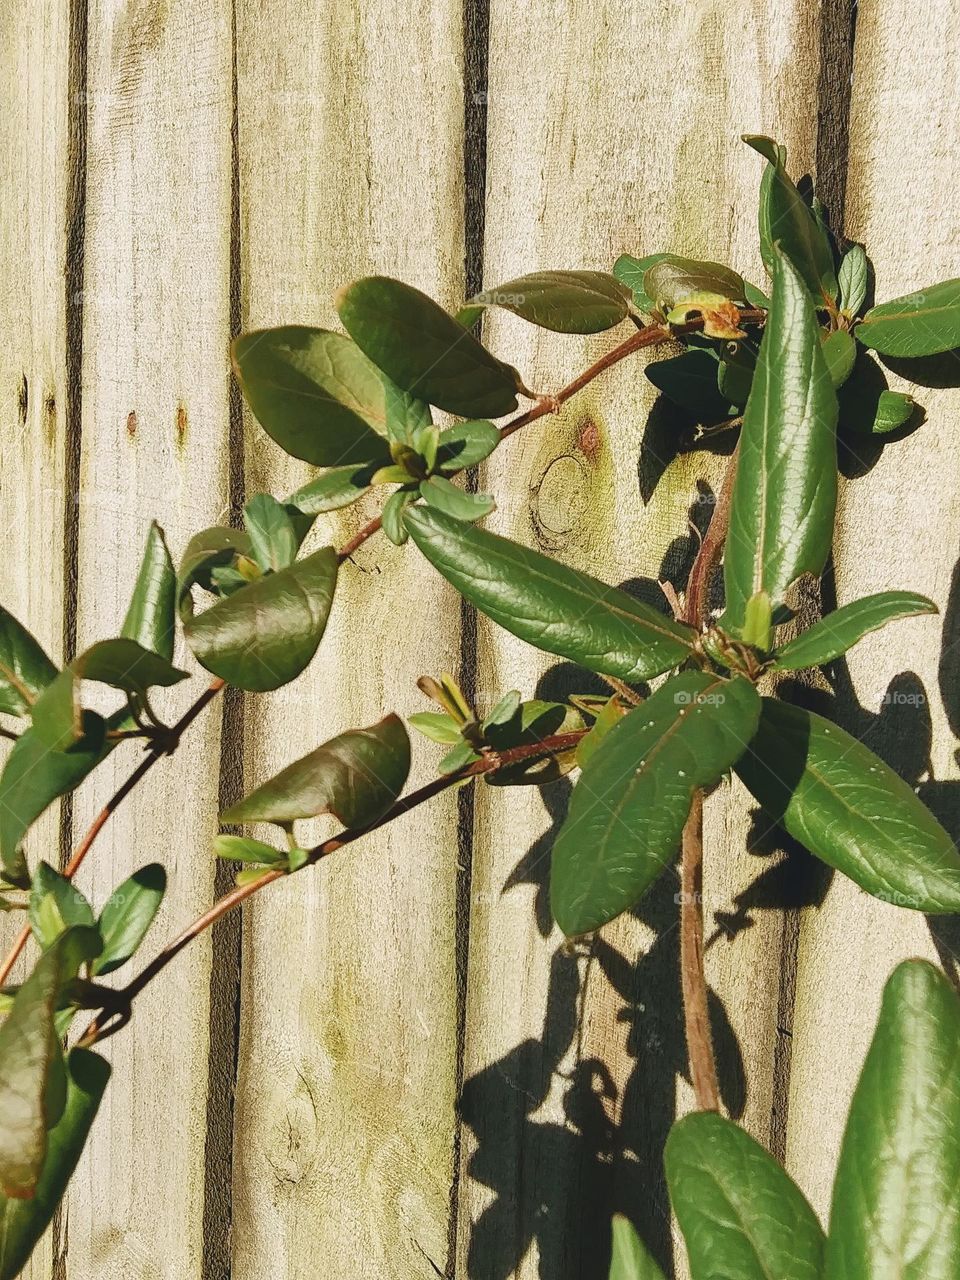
(696, 1009)
(698, 584)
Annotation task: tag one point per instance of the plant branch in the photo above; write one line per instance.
(696, 602)
(696, 1008)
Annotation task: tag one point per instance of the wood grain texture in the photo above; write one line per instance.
(599, 160)
(351, 162)
(153, 444)
(899, 526)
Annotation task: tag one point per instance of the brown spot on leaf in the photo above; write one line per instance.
(132, 422)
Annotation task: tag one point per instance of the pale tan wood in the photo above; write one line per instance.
(591, 155)
(154, 444)
(899, 526)
(350, 128)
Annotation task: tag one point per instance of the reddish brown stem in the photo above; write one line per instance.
(708, 556)
(696, 1010)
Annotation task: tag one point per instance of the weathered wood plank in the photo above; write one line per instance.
(351, 161)
(899, 526)
(588, 158)
(154, 444)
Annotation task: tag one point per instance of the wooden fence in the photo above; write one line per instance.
(285, 1105)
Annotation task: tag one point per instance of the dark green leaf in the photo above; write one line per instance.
(436, 726)
(504, 710)
(533, 722)
(548, 605)
(740, 1214)
(786, 219)
(392, 515)
(273, 539)
(356, 776)
(850, 810)
(853, 278)
(465, 445)
(315, 393)
(128, 914)
(921, 324)
(336, 488)
(840, 353)
(151, 615)
(25, 670)
(690, 380)
(245, 849)
(265, 635)
(630, 1259)
(449, 498)
(735, 373)
(894, 409)
(756, 297)
(424, 350)
(564, 301)
(627, 812)
(785, 493)
(840, 630)
(673, 279)
(207, 550)
(55, 904)
(895, 1211)
(610, 714)
(23, 1222)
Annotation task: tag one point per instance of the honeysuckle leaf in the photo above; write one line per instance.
(740, 1213)
(630, 1259)
(672, 280)
(392, 515)
(424, 350)
(246, 849)
(436, 726)
(274, 542)
(876, 415)
(533, 722)
(55, 904)
(405, 414)
(690, 380)
(850, 809)
(735, 373)
(840, 630)
(465, 445)
(208, 550)
(895, 1211)
(924, 323)
(611, 713)
(853, 278)
(264, 635)
(25, 670)
(564, 301)
(315, 393)
(462, 754)
(356, 776)
(840, 353)
(445, 496)
(128, 914)
(785, 492)
(630, 271)
(786, 219)
(151, 614)
(503, 711)
(334, 489)
(550, 606)
(627, 812)
(23, 1222)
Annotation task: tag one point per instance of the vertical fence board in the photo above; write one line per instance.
(588, 158)
(899, 526)
(154, 444)
(351, 161)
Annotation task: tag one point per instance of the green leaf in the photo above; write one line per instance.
(265, 635)
(23, 1222)
(128, 914)
(840, 630)
(630, 271)
(786, 219)
(465, 445)
(924, 323)
(27, 1046)
(850, 810)
(840, 353)
(406, 415)
(890, 411)
(206, 551)
(25, 670)
(785, 492)
(462, 754)
(690, 380)
(55, 904)
(392, 515)
(735, 373)
(435, 726)
(630, 1259)
(533, 722)
(756, 297)
(673, 279)
(627, 812)
(246, 849)
(315, 393)
(151, 614)
(424, 350)
(449, 498)
(273, 539)
(548, 605)
(564, 301)
(740, 1214)
(333, 490)
(610, 714)
(895, 1212)
(853, 278)
(356, 776)
(503, 711)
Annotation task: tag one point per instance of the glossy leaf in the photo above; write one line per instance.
(465, 445)
(735, 373)
(265, 635)
(785, 492)
(55, 904)
(610, 714)
(392, 515)
(564, 301)
(405, 414)
(273, 538)
(924, 323)
(533, 722)
(840, 630)
(627, 812)
(892, 411)
(840, 353)
(630, 1258)
(436, 726)
(25, 670)
(503, 711)
(356, 776)
(786, 219)
(245, 849)
(449, 498)
(336, 488)
(630, 271)
(740, 1213)
(895, 1214)
(672, 279)
(853, 278)
(315, 393)
(548, 605)
(128, 914)
(690, 380)
(151, 614)
(424, 350)
(210, 549)
(850, 809)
